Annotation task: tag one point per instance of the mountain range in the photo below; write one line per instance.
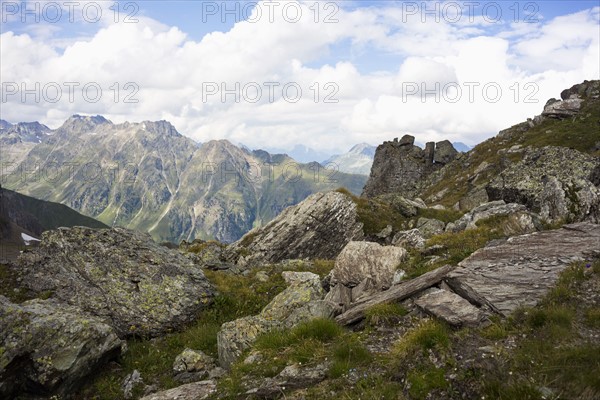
(147, 176)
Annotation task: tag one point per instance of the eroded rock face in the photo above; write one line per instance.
(48, 348)
(449, 307)
(400, 166)
(520, 271)
(361, 260)
(555, 182)
(318, 227)
(123, 277)
(301, 301)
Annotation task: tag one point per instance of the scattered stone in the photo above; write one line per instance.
(522, 220)
(48, 348)
(262, 276)
(292, 377)
(193, 362)
(122, 276)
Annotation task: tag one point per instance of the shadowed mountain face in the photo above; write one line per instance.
(149, 177)
(23, 216)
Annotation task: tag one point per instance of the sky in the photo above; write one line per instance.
(274, 74)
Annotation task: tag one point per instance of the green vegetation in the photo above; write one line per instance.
(447, 215)
(385, 313)
(429, 335)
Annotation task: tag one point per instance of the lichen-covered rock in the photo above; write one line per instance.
(318, 227)
(562, 109)
(191, 391)
(301, 301)
(555, 182)
(449, 307)
(48, 348)
(404, 206)
(133, 284)
(361, 260)
(523, 220)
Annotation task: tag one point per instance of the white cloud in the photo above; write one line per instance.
(170, 70)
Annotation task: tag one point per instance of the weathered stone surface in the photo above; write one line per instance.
(449, 307)
(48, 348)
(404, 206)
(133, 284)
(301, 301)
(522, 269)
(523, 220)
(555, 182)
(319, 227)
(400, 167)
(409, 239)
(361, 260)
(586, 89)
(429, 227)
(191, 391)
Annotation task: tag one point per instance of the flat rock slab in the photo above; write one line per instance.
(521, 270)
(450, 307)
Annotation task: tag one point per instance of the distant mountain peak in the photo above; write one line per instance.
(83, 123)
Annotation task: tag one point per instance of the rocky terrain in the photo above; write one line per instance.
(149, 177)
(454, 276)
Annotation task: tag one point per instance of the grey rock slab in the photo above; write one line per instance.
(521, 270)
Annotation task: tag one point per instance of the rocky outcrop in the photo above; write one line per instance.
(523, 221)
(361, 260)
(521, 270)
(400, 166)
(412, 238)
(555, 182)
(300, 302)
(133, 284)
(192, 391)
(292, 377)
(572, 99)
(430, 227)
(318, 227)
(48, 348)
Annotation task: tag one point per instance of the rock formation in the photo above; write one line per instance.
(133, 284)
(400, 166)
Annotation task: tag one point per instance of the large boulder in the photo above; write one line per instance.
(48, 348)
(133, 284)
(556, 182)
(318, 227)
(301, 301)
(361, 260)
